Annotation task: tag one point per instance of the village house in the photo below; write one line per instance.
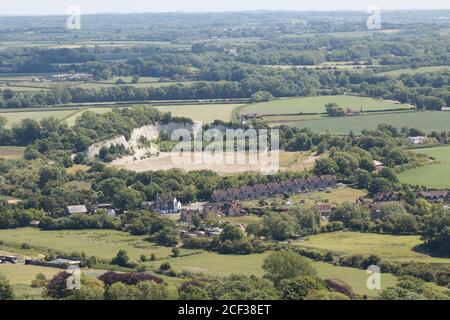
(219, 195)
(274, 188)
(234, 193)
(375, 207)
(261, 191)
(108, 208)
(378, 166)
(301, 185)
(187, 215)
(434, 196)
(329, 181)
(387, 196)
(167, 205)
(247, 192)
(289, 186)
(314, 183)
(416, 140)
(324, 209)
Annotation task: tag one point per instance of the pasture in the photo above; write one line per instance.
(222, 265)
(100, 243)
(105, 244)
(387, 247)
(205, 113)
(433, 175)
(14, 116)
(317, 105)
(427, 121)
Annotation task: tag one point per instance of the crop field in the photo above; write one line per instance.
(100, 243)
(411, 71)
(427, 121)
(434, 175)
(204, 113)
(388, 247)
(317, 105)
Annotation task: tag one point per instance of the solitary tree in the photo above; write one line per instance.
(283, 265)
(6, 291)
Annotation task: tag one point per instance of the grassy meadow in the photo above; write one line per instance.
(15, 117)
(317, 105)
(100, 243)
(388, 247)
(427, 121)
(434, 175)
(205, 113)
(221, 265)
(105, 244)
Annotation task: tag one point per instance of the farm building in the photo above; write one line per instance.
(416, 140)
(108, 208)
(80, 209)
(324, 209)
(378, 166)
(35, 223)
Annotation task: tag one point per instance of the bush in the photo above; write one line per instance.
(130, 278)
(341, 287)
(165, 266)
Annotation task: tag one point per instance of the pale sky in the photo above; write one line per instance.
(43, 7)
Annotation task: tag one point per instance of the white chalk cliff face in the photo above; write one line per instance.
(150, 132)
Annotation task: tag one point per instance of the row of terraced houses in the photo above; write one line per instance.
(275, 188)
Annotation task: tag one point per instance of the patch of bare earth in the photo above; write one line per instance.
(196, 161)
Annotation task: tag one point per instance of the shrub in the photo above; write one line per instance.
(130, 278)
(341, 287)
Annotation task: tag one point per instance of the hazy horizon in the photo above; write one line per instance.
(52, 7)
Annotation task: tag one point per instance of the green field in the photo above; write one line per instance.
(317, 105)
(388, 247)
(15, 117)
(411, 71)
(434, 175)
(356, 278)
(204, 113)
(73, 117)
(222, 265)
(427, 121)
(100, 243)
(20, 277)
(105, 244)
